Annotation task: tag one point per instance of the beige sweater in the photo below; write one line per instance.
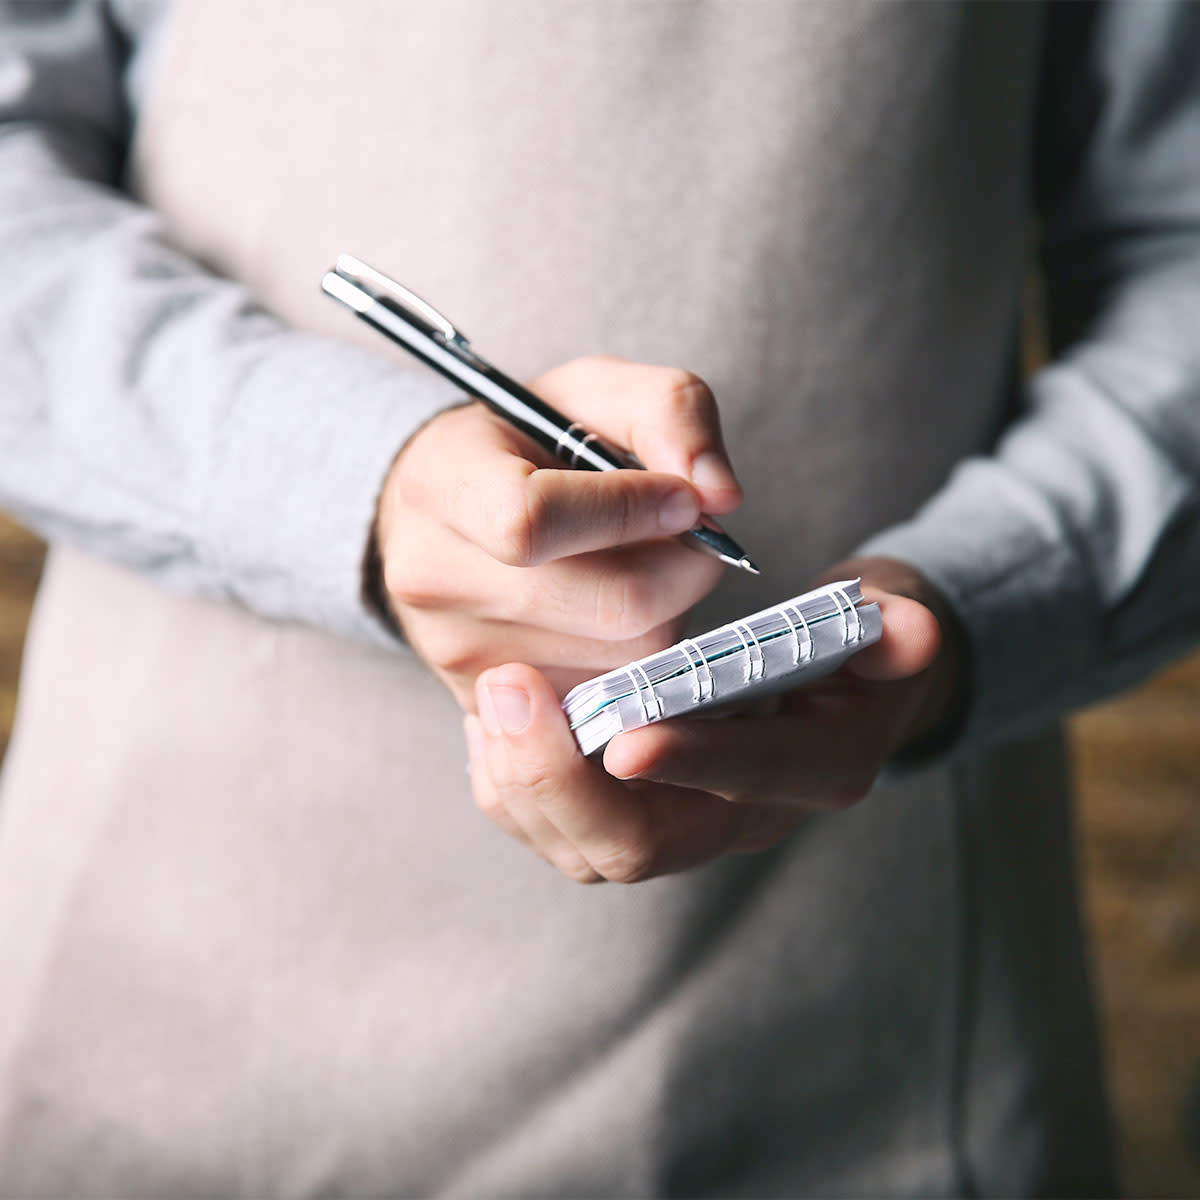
(253, 936)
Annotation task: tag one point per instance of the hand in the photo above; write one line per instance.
(674, 795)
(492, 551)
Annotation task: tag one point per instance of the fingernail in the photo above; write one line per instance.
(504, 709)
(616, 773)
(679, 511)
(624, 776)
(710, 472)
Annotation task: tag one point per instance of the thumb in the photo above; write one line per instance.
(910, 641)
(528, 741)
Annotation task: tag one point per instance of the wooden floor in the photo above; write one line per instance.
(1139, 788)
(20, 566)
(1138, 762)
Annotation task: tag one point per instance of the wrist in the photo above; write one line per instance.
(374, 591)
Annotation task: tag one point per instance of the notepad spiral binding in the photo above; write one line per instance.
(776, 649)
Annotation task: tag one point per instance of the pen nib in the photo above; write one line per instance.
(747, 565)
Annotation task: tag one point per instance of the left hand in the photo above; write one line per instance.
(674, 795)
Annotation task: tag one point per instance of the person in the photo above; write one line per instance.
(255, 938)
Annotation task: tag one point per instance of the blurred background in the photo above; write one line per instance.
(1138, 764)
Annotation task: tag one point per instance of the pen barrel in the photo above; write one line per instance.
(510, 400)
(571, 442)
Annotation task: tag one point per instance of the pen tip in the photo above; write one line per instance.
(747, 565)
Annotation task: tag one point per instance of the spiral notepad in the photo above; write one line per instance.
(779, 648)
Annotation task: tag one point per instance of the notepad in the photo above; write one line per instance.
(777, 649)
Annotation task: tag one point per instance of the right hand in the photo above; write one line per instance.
(493, 552)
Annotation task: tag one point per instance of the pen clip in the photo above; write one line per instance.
(379, 286)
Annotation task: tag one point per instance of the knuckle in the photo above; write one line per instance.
(408, 588)
(631, 860)
(575, 867)
(488, 802)
(688, 396)
(407, 471)
(513, 533)
(453, 654)
(538, 778)
(630, 865)
(465, 665)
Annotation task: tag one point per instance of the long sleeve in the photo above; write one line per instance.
(151, 413)
(1072, 552)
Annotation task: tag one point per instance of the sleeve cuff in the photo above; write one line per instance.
(998, 552)
(314, 429)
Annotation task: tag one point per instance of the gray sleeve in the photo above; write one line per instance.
(152, 413)
(1072, 552)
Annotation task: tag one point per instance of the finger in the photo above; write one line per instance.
(502, 707)
(910, 640)
(821, 759)
(609, 595)
(666, 415)
(519, 816)
(531, 750)
(487, 800)
(522, 514)
(625, 833)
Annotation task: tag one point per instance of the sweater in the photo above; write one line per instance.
(255, 940)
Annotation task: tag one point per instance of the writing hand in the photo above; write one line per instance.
(493, 551)
(674, 795)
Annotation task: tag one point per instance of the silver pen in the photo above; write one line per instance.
(409, 321)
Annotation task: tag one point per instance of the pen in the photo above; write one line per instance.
(409, 321)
